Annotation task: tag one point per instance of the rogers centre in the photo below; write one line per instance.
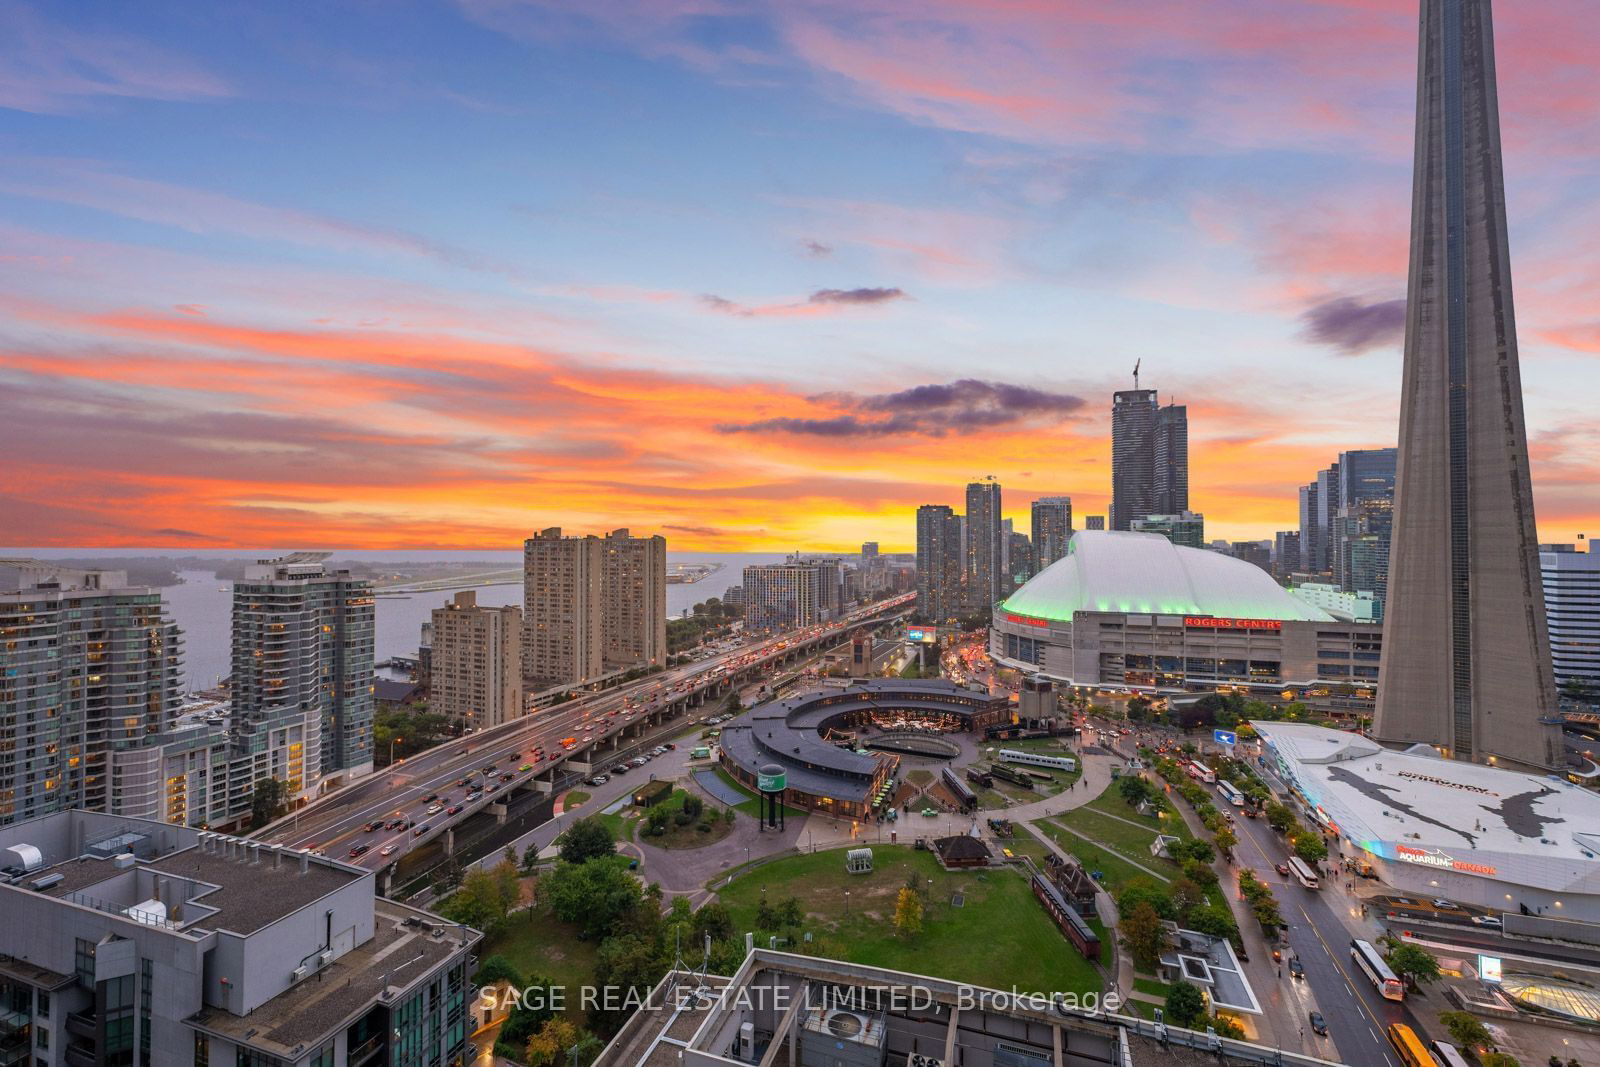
(1433, 827)
(1134, 611)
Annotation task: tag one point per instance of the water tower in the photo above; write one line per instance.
(771, 780)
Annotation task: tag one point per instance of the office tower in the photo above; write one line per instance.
(88, 665)
(1094, 522)
(984, 566)
(1186, 528)
(302, 663)
(1571, 581)
(1052, 529)
(1285, 554)
(939, 563)
(1149, 457)
(561, 613)
(781, 596)
(869, 552)
(477, 662)
(164, 945)
(874, 577)
(1256, 552)
(1466, 659)
(1361, 539)
(633, 602)
(1310, 533)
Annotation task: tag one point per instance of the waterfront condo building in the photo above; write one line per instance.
(1571, 582)
(476, 666)
(1149, 457)
(87, 666)
(633, 612)
(1052, 529)
(139, 944)
(561, 594)
(303, 660)
(939, 563)
(782, 596)
(985, 547)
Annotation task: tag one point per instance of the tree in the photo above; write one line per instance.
(1414, 965)
(1465, 1029)
(1210, 919)
(586, 839)
(548, 1047)
(1141, 891)
(483, 899)
(1310, 847)
(908, 912)
(524, 1020)
(1279, 817)
(1186, 895)
(530, 856)
(1227, 840)
(595, 896)
(269, 802)
(1141, 929)
(1498, 1059)
(713, 919)
(1186, 1005)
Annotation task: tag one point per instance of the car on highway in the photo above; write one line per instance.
(388, 850)
(434, 809)
(1491, 921)
(373, 825)
(1296, 968)
(359, 851)
(395, 824)
(490, 769)
(431, 797)
(419, 831)
(1319, 1025)
(456, 810)
(526, 767)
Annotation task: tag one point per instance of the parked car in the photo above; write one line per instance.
(1296, 968)
(599, 779)
(1319, 1024)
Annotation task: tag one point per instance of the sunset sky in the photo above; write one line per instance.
(755, 275)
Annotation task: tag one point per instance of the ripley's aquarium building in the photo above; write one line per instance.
(1134, 612)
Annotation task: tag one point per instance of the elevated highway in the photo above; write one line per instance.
(494, 770)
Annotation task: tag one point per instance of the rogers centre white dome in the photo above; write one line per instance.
(1144, 573)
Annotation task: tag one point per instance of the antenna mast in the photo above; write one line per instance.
(1136, 371)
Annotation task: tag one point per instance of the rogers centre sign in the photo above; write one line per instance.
(1436, 858)
(1209, 622)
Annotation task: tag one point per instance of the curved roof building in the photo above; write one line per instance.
(1106, 570)
(1126, 610)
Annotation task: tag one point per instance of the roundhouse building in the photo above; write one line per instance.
(822, 775)
(1134, 611)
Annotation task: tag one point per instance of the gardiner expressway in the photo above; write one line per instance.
(376, 820)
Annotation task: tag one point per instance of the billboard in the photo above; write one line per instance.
(922, 635)
(1225, 737)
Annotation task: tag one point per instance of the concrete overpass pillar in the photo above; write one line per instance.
(450, 842)
(500, 813)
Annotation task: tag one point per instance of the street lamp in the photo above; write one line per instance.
(392, 742)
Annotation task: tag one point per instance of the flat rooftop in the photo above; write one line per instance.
(246, 897)
(696, 1018)
(1517, 826)
(406, 946)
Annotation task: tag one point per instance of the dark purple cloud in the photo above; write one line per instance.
(816, 249)
(855, 296)
(1352, 327)
(930, 410)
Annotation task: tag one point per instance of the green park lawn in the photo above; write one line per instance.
(538, 945)
(689, 835)
(1117, 870)
(1000, 937)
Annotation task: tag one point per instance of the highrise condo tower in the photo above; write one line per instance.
(1466, 660)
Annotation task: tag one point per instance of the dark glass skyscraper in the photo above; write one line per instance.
(1466, 659)
(986, 547)
(1149, 457)
(1052, 529)
(939, 563)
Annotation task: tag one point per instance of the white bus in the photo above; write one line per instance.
(1059, 763)
(1201, 771)
(1302, 873)
(1376, 970)
(1448, 1054)
(1231, 793)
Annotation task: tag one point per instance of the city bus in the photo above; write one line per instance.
(1377, 971)
(1447, 1054)
(1302, 873)
(1060, 763)
(1231, 793)
(1201, 771)
(1413, 1053)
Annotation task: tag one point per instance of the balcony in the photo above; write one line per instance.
(79, 1056)
(83, 1024)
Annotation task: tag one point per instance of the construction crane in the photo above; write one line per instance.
(1136, 371)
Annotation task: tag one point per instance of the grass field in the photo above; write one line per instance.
(573, 799)
(539, 946)
(1000, 936)
(689, 835)
(1118, 871)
